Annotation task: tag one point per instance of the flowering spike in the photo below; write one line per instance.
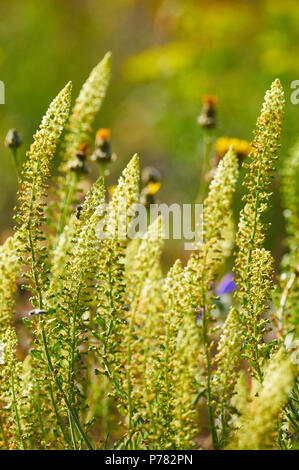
(69, 293)
(10, 392)
(200, 271)
(250, 234)
(128, 184)
(32, 194)
(258, 423)
(87, 105)
(124, 198)
(77, 138)
(112, 339)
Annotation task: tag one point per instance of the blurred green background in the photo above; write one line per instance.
(166, 55)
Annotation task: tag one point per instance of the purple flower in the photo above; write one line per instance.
(226, 285)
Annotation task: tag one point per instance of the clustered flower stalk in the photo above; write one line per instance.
(253, 264)
(121, 356)
(79, 131)
(257, 424)
(203, 265)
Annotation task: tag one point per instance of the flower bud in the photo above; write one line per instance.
(207, 118)
(150, 174)
(102, 151)
(79, 163)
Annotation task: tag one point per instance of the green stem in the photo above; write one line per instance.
(72, 431)
(14, 401)
(72, 180)
(205, 168)
(15, 159)
(103, 166)
(283, 302)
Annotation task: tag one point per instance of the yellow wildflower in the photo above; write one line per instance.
(242, 147)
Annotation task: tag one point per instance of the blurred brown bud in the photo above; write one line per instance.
(79, 163)
(207, 118)
(150, 174)
(83, 152)
(102, 151)
(13, 139)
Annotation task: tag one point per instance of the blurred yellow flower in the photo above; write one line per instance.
(153, 188)
(241, 147)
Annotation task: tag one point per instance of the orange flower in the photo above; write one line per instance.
(207, 118)
(103, 135)
(210, 101)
